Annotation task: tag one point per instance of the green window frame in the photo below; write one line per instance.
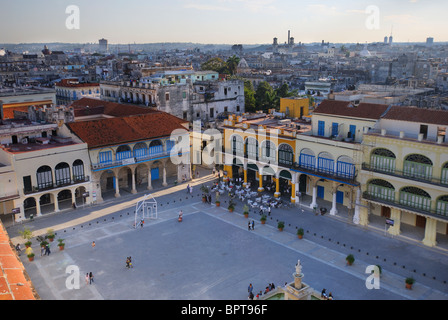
(415, 198)
(381, 189)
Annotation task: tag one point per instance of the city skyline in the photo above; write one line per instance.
(224, 21)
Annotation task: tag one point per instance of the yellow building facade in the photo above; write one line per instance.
(404, 174)
(294, 107)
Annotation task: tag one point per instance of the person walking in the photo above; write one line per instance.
(87, 278)
(250, 288)
(93, 244)
(248, 225)
(43, 250)
(269, 210)
(91, 277)
(253, 225)
(188, 188)
(47, 250)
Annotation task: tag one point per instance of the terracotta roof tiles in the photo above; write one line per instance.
(346, 109)
(115, 131)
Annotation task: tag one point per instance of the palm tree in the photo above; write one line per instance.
(272, 100)
(232, 64)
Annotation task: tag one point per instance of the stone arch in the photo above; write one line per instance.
(65, 199)
(30, 207)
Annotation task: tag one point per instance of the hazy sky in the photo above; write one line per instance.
(223, 21)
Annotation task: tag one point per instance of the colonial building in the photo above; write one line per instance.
(404, 173)
(69, 90)
(127, 152)
(46, 170)
(190, 95)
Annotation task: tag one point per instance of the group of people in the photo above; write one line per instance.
(251, 225)
(250, 289)
(324, 295)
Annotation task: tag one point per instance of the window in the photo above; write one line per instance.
(416, 198)
(424, 130)
(381, 189)
(78, 170)
(167, 97)
(307, 159)
(351, 134)
(212, 112)
(335, 129)
(382, 159)
(325, 163)
(321, 128)
(285, 154)
(184, 95)
(62, 174)
(105, 157)
(27, 186)
(44, 177)
(417, 166)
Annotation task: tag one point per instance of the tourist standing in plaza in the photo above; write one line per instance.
(91, 277)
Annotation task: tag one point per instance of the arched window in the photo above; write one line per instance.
(307, 159)
(325, 163)
(444, 174)
(78, 170)
(237, 145)
(442, 205)
(417, 166)
(381, 189)
(155, 147)
(62, 174)
(416, 198)
(44, 177)
(345, 167)
(252, 148)
(383, 160)
(140, 150)
(285, 154)
(123, 152)
(268, 151)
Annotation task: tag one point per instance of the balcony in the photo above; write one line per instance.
(425, 178)
(51, 186)
(129, 161)
(325, 174)
(399, 205)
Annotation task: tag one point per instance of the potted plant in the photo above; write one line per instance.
(43, 244)
(300, 233)
(30, 256)
(263, 219)
(231, 206)
(26, 234)
(217, 202)
(50, 235)
(61, 244)
(280, 225)
(246, 211)
(409, 282)
(350, 259)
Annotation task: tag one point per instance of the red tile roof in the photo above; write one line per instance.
(88, 106)
(14, 281)
(346, 109)
(115, 131)
(415, 114)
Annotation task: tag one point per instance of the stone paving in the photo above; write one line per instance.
(212, 256)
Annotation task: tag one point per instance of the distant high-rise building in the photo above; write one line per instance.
(385, 39)
(429, 41)
(103, 45)
(391, 39)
